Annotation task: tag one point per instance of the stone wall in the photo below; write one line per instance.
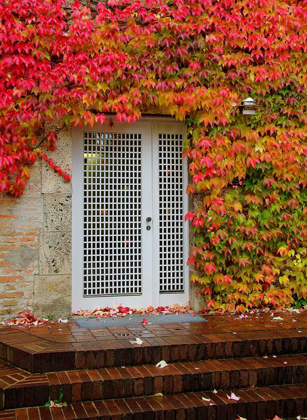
(35, 242)
(52, 282)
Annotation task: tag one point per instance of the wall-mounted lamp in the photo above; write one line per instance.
(248, 106)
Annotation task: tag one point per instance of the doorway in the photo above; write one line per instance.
(129, 201)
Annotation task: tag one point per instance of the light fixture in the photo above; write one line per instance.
(248, 106)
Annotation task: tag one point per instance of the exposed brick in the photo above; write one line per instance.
(29, 270)
(5, 279)
(5, 311)
(10, 302)
(11, 232)
(5, 224)
(9, 287)
(11, 271)
(11, 295)
(9, 247)
(5, 263)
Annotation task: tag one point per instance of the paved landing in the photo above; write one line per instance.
(135, 319)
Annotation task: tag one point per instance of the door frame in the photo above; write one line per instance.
(158, 299)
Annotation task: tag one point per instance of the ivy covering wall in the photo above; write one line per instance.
(197, 59)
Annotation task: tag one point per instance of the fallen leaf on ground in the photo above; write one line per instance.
(214, 391)
(278, 318)
(161, 364)
(233, 396)
(137, 341)
(121, 311)
(64, 321)
(205, 399)
(159, 394)
(25, 318)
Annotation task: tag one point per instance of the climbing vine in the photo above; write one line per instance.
(197, 60)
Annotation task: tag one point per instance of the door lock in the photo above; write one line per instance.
(148, 219)
(148, 227)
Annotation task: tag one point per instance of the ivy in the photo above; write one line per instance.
(196, 60)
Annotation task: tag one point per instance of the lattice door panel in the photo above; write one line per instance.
(112, 214)
(171, 213)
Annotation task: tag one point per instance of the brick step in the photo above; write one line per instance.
(254, 404)
(97, 349)
(22, 389)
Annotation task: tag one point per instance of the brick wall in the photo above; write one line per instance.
(21, 222)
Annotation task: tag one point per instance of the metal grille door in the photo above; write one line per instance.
(112, 214)
(170, 213)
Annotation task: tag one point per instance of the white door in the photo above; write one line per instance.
(128, 216)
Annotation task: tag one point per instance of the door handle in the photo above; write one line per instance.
(148, 219)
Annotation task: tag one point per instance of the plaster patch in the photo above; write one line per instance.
(22, 258)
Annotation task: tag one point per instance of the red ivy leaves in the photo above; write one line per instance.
(129, 55)
(198, 60)
(65, 175)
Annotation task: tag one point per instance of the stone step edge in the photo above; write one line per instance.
(254, 404)
(61, 358)
(148, 380)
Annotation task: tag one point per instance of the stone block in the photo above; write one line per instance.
(196, 302)
(9, 302)
(57, 212)
(55, 253)
(52, 296)
(51, 181)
